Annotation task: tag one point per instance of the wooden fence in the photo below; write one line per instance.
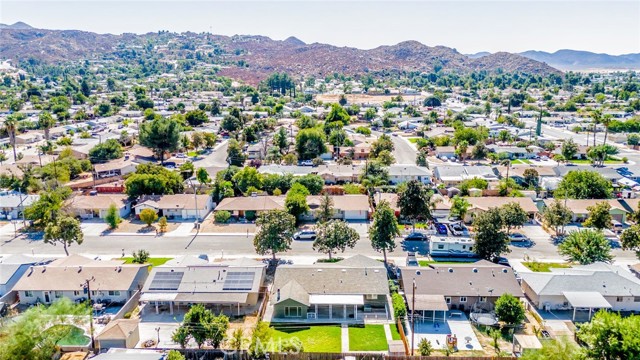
(403, 337)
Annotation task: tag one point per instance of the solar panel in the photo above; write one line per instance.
(239, 280)
(165, 280)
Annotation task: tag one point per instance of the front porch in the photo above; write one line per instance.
(335, 313)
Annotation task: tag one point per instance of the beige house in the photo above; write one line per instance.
(121, 333)
(481, 204)
(580, 212)
(179, 206)
(111, 280)
(90, 207)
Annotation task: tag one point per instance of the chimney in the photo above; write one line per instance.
(278, 295)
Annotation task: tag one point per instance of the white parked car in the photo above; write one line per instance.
(305, 235)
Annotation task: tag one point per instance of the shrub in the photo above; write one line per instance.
(222, 217)
(113, 217)
(250, 215)
(424, 347)
(162, 223)
(127, 315)
(148, 216)
(399, 307)
(140, 256)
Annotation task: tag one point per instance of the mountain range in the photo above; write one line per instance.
(578, 60)
(252, 58)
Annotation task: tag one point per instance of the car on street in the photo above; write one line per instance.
(305, 235)
(411, 259)
(306, 163)
(517, 237)
(416, 236)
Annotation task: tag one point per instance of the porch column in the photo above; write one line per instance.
(355, 312)
(330, 311)
(574, 315)
(345, 311)
(171, 307)
(589, 314)
(238, 309)
(316, 309)
(157, 308)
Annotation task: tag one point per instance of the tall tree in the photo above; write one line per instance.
(384, 229)
(275, 231)
(491, 240)
(202, 325)
(609, 336)
(235, 155)
(326, 209)
(46, 122)
(584, 184)
(65, 231)
(599, 216)
(11, 126)
(586, 247)
(630, 239)
(459, 207)
(509, 309)
(333, 236)
(161, 135)
(513, 216)
(569, 149)
(413, 201)
(557, 215)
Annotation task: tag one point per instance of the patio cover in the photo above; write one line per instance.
(324, 299)
(428, 302)
(158, 297)
(586, 299)
(527, 341)
(213, 298)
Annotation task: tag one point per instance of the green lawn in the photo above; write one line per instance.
(413, 140)
(521, 161)
(395, 334)
(544, 266)
(587, 161)
(368, 338)
(314, 338)
(429, 262)
(153, 261)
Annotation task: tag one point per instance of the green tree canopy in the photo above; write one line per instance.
(334, 236)
(65, 231)
(161, 135)
(513, 216)
(384, 229)
(275, 232)
(491, 240)
(610, 336)
(196, 117)
(108, 150)
(557, 215)
(599, 216)
(585, 247)
(310, 143)
(150, 179)
(509, 309)
(414, 202)
(584, 184)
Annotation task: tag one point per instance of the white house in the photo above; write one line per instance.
(179, 206)
(404, 173)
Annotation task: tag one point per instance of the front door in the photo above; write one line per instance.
(47, 298)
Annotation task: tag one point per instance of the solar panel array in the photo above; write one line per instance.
(239, 280)
(165, 280)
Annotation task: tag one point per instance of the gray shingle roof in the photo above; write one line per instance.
(606, 282)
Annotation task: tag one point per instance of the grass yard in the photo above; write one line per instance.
(413, 140)
(429, 262)
(314, 338)
(521, 161)
(152, 261)
(395, 334)
(368, 338)
(544, 266)
(588, 162)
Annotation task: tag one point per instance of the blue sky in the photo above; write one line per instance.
(469, 26)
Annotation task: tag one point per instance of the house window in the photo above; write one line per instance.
(371, 297)
(58, 294)
(463, 299)
(76, 293)
(28, 293)
(619, 299)
(483, 299)
(114, 293)
(447, 300)
(440, 246)
(292, 311)
(93, 293)
(636, 299)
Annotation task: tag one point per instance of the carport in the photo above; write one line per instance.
(428, 303)
(583, 300)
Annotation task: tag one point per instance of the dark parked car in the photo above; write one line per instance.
(441, 228)
(416, 236)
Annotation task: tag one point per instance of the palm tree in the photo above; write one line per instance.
(507, 163)
(11, 124)
(46, 122)
(606, 121)
(596, 116)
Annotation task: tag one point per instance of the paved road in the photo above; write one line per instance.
(217, 158)
(403, 151)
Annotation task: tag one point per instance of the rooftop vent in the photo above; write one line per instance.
(450, 270)
(475, 270)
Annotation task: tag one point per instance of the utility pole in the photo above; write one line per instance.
(87, 287)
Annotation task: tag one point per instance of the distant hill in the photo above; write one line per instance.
(252, 58)
(17, 26)
(584, 60)
(479, 54)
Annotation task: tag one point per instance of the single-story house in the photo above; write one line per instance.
(255, 151)
(239, 206)
(112, 280)
(346, 207)
(441, 288)
(120, 333)
(178, 206)
(331, 174)
(580, 212)
(481, 204)
(13, 203)
(118, 167)
(90, 207)
(404, 173)
(358, 151)
(586, 287)
(12, 267)
(606, 172)
(28, 138)
(350, 290)
(233, 286)
(445, 152)
(454, 175)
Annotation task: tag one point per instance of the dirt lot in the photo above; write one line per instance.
(355, 98)
(137, 226)
(211, 227)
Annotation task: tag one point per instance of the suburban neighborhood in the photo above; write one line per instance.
(197, 196)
